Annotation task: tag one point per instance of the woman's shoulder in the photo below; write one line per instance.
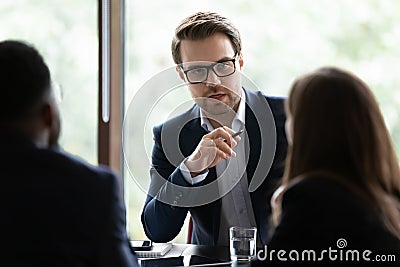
(328, 203)
(323, 210)
(324, 186)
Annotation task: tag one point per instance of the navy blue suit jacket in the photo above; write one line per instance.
(177, 138)
(58, 211)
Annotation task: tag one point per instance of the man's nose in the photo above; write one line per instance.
(212, 79)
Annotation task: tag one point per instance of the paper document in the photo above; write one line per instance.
(158, 250)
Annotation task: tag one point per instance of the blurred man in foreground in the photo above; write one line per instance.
(56, 210)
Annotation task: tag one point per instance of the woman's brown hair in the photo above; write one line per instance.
(337, 128)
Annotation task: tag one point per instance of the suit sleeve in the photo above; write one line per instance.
(162, 218)
(114, 246)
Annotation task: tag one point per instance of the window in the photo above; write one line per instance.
(65, 33)
(281, 40)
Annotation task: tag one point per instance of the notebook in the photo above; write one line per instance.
(158, 250)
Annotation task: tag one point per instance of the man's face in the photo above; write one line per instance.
(216, 95)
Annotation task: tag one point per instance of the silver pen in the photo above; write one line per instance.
(235, 134)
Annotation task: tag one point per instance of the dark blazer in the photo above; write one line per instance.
(177, 138)
(58, 211)
(319, 212)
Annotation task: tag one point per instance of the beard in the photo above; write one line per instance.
(216, 107)
(226, 105)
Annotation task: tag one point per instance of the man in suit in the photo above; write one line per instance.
(197, 166)
(56, 210)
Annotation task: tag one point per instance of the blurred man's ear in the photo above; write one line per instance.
(51, 120)
(47, 114)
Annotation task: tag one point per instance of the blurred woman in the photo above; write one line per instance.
(342, 182)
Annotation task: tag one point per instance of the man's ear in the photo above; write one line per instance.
(47, 114)
(180, 72)
(51, 121)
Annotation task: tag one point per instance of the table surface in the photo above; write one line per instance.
(220, 253)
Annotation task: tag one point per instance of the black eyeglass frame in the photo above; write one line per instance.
(210, 67)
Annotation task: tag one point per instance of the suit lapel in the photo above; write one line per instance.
(254, 135)
(191, 133)
(260, 126)
(190, 136)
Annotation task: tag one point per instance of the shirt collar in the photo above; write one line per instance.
(237, 123)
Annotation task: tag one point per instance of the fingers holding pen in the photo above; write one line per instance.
(233, 136)
(217, 148)
(222, 138)
(224, 134)
(213, 147)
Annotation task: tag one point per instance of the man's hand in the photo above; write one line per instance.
(213, 147)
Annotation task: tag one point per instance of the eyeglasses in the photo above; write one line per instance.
(199, 74)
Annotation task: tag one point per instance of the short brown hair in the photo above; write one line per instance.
(202, 25)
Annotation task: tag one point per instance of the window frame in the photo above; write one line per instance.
(110, 132)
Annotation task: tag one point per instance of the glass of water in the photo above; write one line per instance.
(242, 243)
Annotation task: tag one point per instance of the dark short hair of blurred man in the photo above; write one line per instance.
(56, 210)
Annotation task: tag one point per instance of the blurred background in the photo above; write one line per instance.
(282, 39)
